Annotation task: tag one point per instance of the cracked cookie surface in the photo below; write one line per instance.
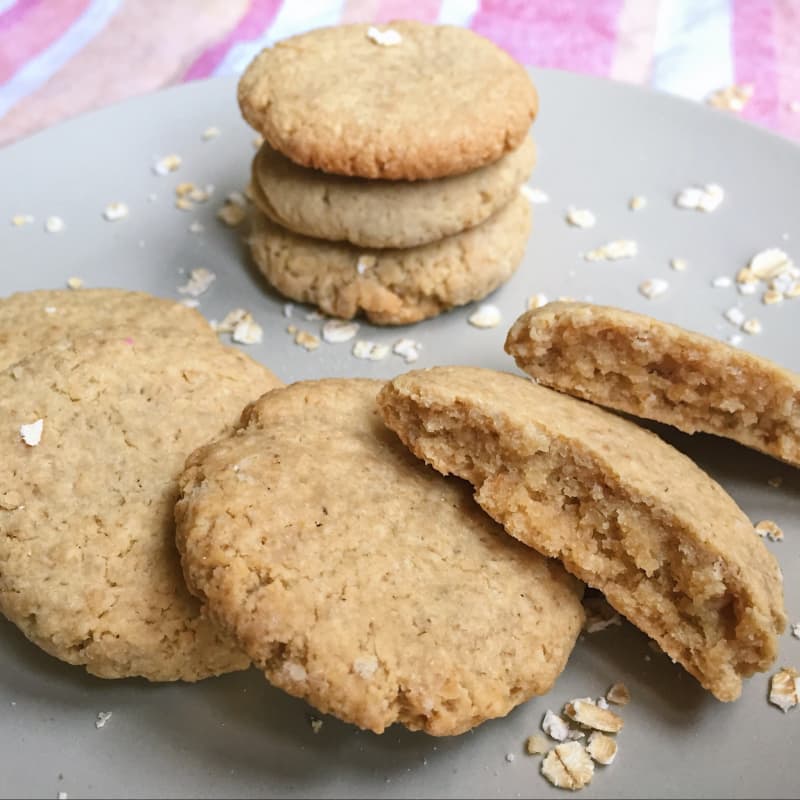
(359, 579)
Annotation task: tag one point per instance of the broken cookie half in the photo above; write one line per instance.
(634, 363)
(623, 510)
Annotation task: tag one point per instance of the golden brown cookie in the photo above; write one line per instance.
(634, 363)
(88, 565)
(359, 579)
(392, 287)
(623, 510)
(441, 101)
(32, 320)
(369, 213)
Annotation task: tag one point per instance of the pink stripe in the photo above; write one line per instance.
(45, 23)
(787, 24)
(571, 34)
(422, 10)
(754, 58)
(17, 12)
(255, 21)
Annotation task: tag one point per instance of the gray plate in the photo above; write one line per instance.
(599, 144)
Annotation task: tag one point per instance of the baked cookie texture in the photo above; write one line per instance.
(380, 214)
(442, 101)
(88, 565)
(659, 371)
(30, 321)
(392, 287)
(624, 511)
(359, 579)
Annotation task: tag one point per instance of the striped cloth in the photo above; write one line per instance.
(61, 57)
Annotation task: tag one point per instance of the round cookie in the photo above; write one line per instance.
(32, 320)
(88, 565)
(392, 287)
(441, 101)
(380, 214)
(360, 580)
(623, 510)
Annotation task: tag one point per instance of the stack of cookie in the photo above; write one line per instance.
(388, 180)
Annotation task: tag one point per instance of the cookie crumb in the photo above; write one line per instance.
(167, 164)
(771, 297)
(731, 98)
(210, 133)
(534, 195)
(231, 214)
(580, 217)
(336, 331)
(31, 433)
(370, 351)
(200, 280)
(784, 689)
(769, 529)
(102, 718)
(54, 225)
(536, 301)
(679, 264)
(74, 283)
(555, 726)
(752, 326)
(637, 202)
(536, 745)
(722, 282)
(385, 38)
(247, 331)
(588, 714)
(18, 220)
(734, 315)
(230, 321)
(618, 694)
(485, 316)
(735, 339)
(602, 748)
(613, 251)
(568, 766)
(115, 211)
(184, 204)
(408, 349)
(653, 287)
(364, 263)
(306, 340)
(706, 198)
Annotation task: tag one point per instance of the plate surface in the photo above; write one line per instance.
(599, 144)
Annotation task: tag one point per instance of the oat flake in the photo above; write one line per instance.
(581, 217)
(385, 38)
(407, 349)
(679, 264)
(485, 316)
(752, 326)
(306, 340)
(336, 331)
(247, 331)
(102, 718)
(210, 133)
(536, 301)
(231, 320)
(613, 251)
(231, 214)
(771, 297)
(536, 745)
(619, 694)
(784, 689)
(200, 279)
(115, 211)
(32, 432)
(568, 766)
(637, 202)
(534, 195)
(602, 748)
(54, 225)
(654, 287)
(701, 198)
(770, 263)
(769, 529)
(18, 220)
(734, 315)
(167, 164)
(722, 282)
(370, 351)
(585, 712)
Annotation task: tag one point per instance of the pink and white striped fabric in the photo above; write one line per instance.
(61, 57)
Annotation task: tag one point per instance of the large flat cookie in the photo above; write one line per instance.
(652, 369)
(370, 213)
(88, 565)
(392, 287)
(32, 320)
(439, 102)
(359, 579)
(623, 510)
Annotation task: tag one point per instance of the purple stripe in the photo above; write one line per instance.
(17, 13)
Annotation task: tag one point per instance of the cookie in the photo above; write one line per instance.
(382, 214)
(624, 511)
(88, 565)
(392, 287)
(441, 101)
(359, 579)
(659, 371)
(32, 320)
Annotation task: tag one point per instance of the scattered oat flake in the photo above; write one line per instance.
(232, 214)
(784, 689)
(183, 188)
(601, 702)
(769, 529)
(18, 220)
(536, 301)
(534, 195)
(746, 288)
(167, 164)
(613, 251)
(796, 630)
(602, 748)
(54, 225)
(210, 133)
(115, 211)
(568, 766)
(200, 279)
(200, 195)
(653, 287)
(722, 282)
(315, 723)
(793, 291)
(679, 264)
(731, 98)
(74, 283)
(536, 745)
(752, 326)
(619, 694)
(314, 315)
(184, 204)
(734, 315)
(336, 331)
(247, 331)
(637, 202)
(364, 263)
(581, 217)
(306, 340)
(590, 715)
(485, 316)
(102, 718)
(371, 351)
(555, 726)
(701, 198)
(231, 320)
(771, 297)
(407, 349)
(387, 38)
(31, 433)
(196, 227)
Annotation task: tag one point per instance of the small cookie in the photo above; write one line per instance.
(88, 565)
(385, 213)
(439, 102)
(32, 320)
(360, 580)
(623, 510)
(393, 287)
(659, 371)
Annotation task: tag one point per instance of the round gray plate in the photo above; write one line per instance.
(599, 144)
